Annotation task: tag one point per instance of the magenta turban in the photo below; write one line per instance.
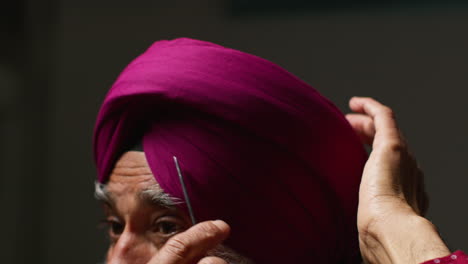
(258, 148)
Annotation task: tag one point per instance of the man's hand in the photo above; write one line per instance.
(392, 199)
(192, 245)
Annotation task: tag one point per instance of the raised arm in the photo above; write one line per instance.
(392, 200)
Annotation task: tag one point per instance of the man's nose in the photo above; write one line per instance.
(131, 248)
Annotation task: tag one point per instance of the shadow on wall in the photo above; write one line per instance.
(264, 7)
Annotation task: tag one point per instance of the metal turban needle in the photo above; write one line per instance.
(184, 190)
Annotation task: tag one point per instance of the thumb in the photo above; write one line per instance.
(193, 244)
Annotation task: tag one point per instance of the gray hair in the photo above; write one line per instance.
(100, 192)
(153, 193)
(156, 195)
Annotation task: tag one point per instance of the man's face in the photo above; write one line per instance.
(140, 216)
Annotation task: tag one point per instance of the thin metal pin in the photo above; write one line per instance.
(184, 190)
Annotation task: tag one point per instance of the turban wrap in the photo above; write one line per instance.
(258, 148)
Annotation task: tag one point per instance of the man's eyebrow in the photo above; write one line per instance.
(156, 196)
(153, 195)
(102, 194)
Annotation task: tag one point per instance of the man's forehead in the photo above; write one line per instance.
(132, 181)
(132, 163)
(131, 173)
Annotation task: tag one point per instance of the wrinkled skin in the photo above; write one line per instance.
(392, 199)
(144, 232)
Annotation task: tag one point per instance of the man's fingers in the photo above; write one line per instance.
(363, 126)
(385, 125)
(193, 244)
(367, 105)
(212, 260)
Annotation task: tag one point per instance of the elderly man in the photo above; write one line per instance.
(192, 131)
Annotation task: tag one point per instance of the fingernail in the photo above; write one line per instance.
(221, 224)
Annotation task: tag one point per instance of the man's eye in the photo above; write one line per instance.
(167, 227)
(115, 228)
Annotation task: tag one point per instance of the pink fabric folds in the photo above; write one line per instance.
(259, 148)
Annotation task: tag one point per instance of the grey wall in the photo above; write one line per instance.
(414, 60)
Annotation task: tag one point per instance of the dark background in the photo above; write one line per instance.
(58, 58)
